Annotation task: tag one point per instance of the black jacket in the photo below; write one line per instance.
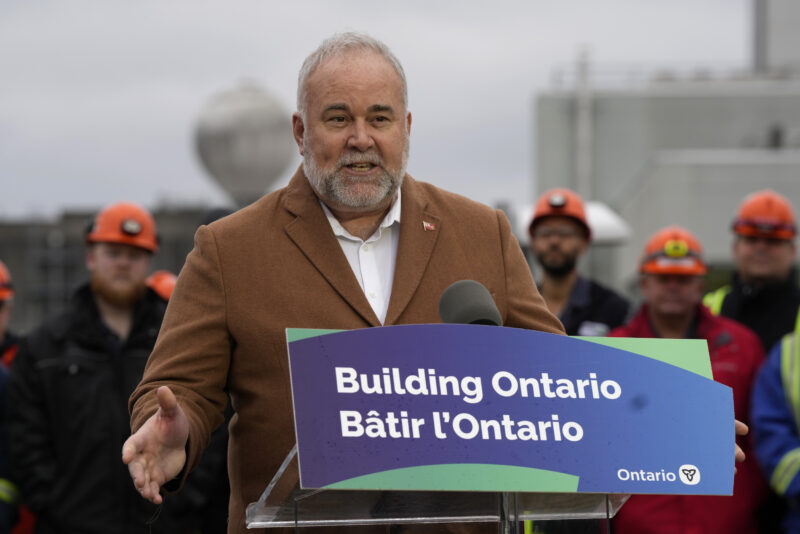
(67, 419)
(593, 309)
(769, 310)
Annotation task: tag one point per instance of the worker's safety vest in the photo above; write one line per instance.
(9, 493)
(713, 299)
(789, 465)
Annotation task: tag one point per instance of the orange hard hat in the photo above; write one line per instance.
(765, 214)
(162, 282)
(6, 290)
(124, 223)
(560, 202)
(673, 250)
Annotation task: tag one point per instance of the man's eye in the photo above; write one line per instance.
(381, 118)
(338, 119)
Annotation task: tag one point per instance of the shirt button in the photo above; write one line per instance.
(366, 248)
(372, 295)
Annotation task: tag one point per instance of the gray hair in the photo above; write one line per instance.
(338, 44)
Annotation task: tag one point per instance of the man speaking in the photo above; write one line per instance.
(351, 242)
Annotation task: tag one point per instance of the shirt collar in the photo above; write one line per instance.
(392, 217)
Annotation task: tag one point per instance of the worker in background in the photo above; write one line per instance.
(8, 341)
(9, 495)
(559, 236)
(763, 293)
(671, 283)
(776, 426)
(68, 390)
(162, 282)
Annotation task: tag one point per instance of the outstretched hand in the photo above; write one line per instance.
(156, 453)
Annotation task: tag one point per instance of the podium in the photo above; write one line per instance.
(283, 504)
(435, 424)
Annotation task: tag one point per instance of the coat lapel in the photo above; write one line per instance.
(419, 230)
(312, 234)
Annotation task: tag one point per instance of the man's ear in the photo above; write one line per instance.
(298, 130)
(90, 258)
(642, 284)
(408, 122)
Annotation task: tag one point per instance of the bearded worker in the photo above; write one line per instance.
(66, 404)
(351, 242)
(559, 235)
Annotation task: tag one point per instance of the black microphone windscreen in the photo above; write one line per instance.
(468, 302)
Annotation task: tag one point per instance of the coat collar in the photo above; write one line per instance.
(311, 233)
(419, 230)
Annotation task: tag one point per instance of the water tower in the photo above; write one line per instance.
(244, 139)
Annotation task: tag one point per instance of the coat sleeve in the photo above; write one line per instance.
(193, 351)
(526, 307)
(31, 449)
(775, 436)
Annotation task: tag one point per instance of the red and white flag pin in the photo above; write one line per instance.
(428, 226)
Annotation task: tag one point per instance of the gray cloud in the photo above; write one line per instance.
(98, 98)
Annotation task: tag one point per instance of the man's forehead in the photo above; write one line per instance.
(351, 87)
(374, 108)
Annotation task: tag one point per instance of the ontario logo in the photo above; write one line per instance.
(687, 473)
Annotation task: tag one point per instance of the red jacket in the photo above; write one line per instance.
(736, 355)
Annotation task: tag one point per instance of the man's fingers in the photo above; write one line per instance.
(741, 428)
(145, 483)
(137, 474)
(129, 449)
(150, 491)
(156, 446)
(155, 494)
(166, 401)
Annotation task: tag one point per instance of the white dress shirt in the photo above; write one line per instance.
(373, 260)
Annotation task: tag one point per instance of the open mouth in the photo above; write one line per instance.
(361, 167)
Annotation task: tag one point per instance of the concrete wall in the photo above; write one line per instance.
(674, 152)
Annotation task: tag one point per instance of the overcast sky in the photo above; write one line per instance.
(98, 99)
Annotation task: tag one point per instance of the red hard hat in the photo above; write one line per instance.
(124, 223)
(560, 202)
(765, 214)
(162, 282)
(673, 250)
(6, 290)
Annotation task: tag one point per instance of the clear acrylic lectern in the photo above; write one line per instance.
(284, 504)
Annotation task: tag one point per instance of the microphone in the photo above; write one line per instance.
(468, 302)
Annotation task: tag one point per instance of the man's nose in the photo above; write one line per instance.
(360, 137)
(123, 259)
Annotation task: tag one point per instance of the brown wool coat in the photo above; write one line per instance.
(276, 264)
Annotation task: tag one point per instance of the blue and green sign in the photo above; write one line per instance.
(479, 408)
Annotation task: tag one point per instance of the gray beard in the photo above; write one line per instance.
(336, 186)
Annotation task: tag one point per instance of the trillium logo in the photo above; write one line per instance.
(689, 474)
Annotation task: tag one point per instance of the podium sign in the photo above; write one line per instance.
(480, 408)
